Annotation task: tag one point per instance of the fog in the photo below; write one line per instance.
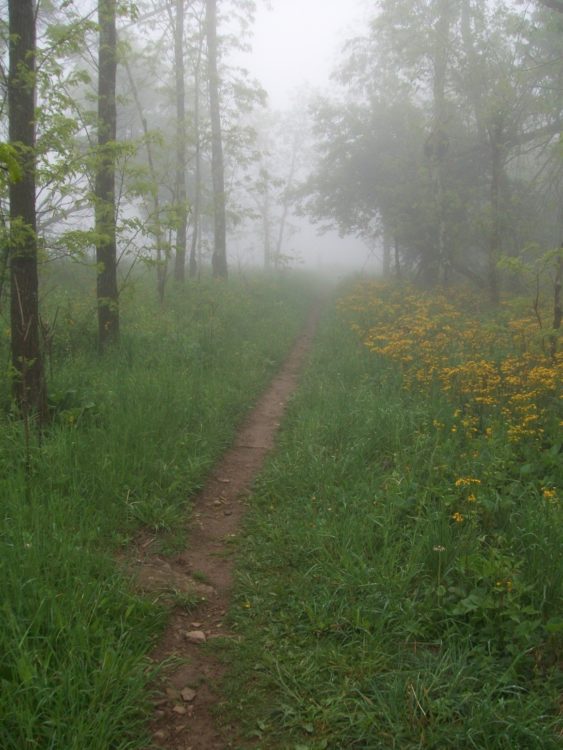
(294, 49)
(297, 42)
(429, 129)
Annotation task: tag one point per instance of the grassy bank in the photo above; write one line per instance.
(400, 579)
(133, 435)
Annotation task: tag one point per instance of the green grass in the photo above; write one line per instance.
(134, 434)
(370, 618)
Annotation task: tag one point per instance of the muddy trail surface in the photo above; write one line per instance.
(188, 695)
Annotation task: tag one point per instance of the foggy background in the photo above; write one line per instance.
(295, 46)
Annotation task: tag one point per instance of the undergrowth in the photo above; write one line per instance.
(400, 578)
(132, 436)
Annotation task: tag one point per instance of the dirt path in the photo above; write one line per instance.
(184, 715)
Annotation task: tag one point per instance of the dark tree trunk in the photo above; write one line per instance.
(105, 208)
(27, 361)
(181, 196)
(217, 167)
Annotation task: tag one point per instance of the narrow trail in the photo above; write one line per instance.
(184, 717)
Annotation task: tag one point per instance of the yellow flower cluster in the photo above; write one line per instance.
(466, 481)
(497, 374)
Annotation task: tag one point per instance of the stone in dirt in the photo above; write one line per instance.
(188, 694)
(179, 710)
(196, 636)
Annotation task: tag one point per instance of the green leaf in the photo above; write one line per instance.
(9, 161)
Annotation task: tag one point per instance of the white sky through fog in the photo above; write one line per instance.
(297, 42)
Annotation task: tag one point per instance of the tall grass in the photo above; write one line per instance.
(133, 435)
(371, 617)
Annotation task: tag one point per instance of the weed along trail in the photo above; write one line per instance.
(184, 716)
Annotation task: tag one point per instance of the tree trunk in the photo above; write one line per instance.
(557, 307)
(386, 255)
(496, 230)
(105, 207)
(441, 141)
(286, 197)
(27, 362)
(266, 222)
(181, 195)
(196, 208)
(473, 69)
(161, 258)
(219, 258)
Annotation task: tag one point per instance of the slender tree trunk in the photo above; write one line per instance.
(266, 222)
(398, 273)
(441, 263)
(285, 204)
(105, 205)
(27, 362)
(219, 258)
(4, 255)
(496, 230)
(557, 307)
(158, 233)
(196, 208)
(281, 233)
(386, 255)
(490, 133)
(473, 69)
(181, 195)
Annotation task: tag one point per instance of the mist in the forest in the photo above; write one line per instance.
(296, 44)
(293, 52)
(421, 139)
